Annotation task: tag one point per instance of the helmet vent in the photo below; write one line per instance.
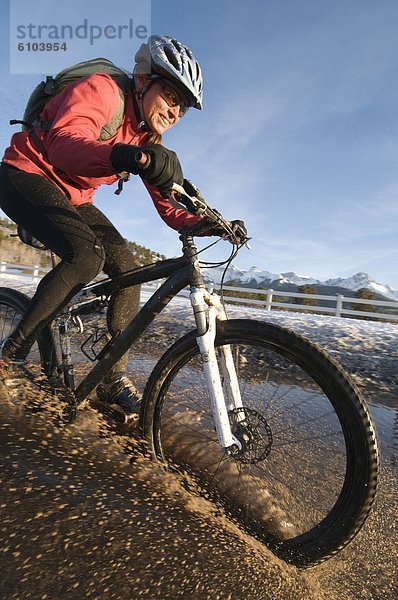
(172, 58)
(176, 44)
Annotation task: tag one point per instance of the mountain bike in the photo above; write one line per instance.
(263, 420)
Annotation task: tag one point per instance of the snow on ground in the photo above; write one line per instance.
(368, 349)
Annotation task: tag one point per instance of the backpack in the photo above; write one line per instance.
(53, 85)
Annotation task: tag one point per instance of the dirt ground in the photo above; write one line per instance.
(78, 519)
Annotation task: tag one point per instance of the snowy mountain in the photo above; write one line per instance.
(256, 277)
(363, 280)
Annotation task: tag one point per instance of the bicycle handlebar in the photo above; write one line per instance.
(196, 205)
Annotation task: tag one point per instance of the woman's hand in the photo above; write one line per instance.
(163, 170)
(238, 232)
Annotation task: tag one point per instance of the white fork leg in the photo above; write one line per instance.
(212, 373)
(229, 376)
(230, 380)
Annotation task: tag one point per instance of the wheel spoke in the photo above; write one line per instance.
(292, 464)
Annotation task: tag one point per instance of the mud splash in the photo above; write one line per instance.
(77, 519)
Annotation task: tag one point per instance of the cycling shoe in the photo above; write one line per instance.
(120, 391)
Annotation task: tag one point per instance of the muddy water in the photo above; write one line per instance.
(78, 520)
(368, 568)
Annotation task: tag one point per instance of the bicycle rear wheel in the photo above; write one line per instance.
(306, 478)
(42, 356)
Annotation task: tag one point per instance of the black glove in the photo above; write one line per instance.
(239, 232)
(123, 158)
(163, 170)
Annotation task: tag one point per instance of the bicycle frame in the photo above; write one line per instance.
(286, 380)
(175, 282)
(207, 309)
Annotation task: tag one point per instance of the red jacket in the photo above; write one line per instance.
(78, 113)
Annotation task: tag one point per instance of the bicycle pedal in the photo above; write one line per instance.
(97, 344)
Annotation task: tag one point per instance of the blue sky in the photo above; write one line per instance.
(298, 135)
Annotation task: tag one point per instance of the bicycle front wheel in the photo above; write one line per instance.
(305, 479)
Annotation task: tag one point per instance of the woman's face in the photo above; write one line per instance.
(159, 115)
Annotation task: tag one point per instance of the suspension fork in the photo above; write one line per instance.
(206, 320)
(205, 312)
(227, 362)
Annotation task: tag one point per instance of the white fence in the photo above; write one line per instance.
(339, 309)
(35, 272)
(342, 305)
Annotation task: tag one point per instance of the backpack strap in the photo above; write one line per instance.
(113, 125)
(108, 130)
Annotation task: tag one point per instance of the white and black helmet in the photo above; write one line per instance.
(165, 56)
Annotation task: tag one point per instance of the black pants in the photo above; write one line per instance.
(82, 237)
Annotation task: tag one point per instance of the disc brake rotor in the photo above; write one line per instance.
(253, 432)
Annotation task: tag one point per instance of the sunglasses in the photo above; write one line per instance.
(172, 98)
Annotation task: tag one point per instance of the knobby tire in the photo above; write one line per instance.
(313, 491)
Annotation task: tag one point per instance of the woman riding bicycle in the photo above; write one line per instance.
(48, 178)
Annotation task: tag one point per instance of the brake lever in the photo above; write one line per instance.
(199, 206)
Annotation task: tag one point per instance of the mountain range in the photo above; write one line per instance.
(290, 282)
(11, 250)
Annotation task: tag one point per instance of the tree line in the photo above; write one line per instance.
(361, 294)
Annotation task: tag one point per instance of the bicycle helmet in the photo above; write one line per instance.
(166, 57)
